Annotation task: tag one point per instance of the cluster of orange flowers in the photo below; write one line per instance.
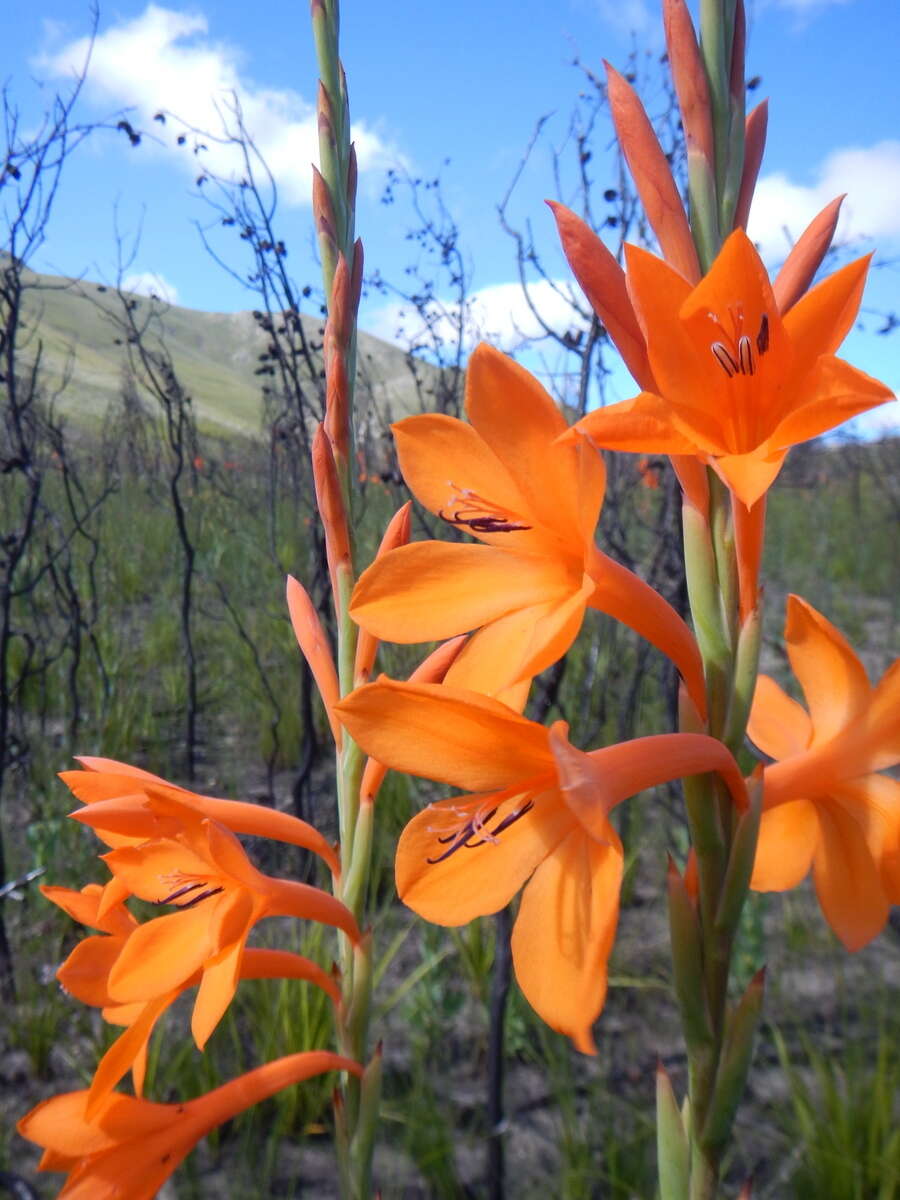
(733, 370)
(169, 846)
(736, 383)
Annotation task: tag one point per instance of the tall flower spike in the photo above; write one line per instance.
(130, 1147)
(825, 805)
(652, 176)
(535, 503)
(396, 534)
(737, 384)
(538, 817)
(313, 641)
(754, 145)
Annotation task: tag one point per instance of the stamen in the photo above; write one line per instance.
(184, 891)
(461, 839)
(723, 357)
(479, 515)
(473, 825)
(734, 352)
(203, 896)
(509, 819)
(745, 355)
(762, 338)
(188, 887)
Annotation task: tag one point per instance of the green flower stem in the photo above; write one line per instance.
(687, 963)
(733, 1066)
(723, 841)
(704, 209)
(364, 1138)
(706, 612)
(746, 668)
(356, 1105)
(672, 1148)
(722, 526)
(716, 35)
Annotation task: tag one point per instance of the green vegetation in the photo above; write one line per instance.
(574, 1127)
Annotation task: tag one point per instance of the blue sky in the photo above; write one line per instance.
(431, 82)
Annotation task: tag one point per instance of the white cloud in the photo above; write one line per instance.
(499, 314)
(870, 175)
(148, 283)
(165, 59)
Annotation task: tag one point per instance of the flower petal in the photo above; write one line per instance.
(521, 644)
(161, 954)
(521, 421)
(124, 1051)
(788, 837)
(833, 679)
(884, 720)
(439, 732)
(820, 320)
(832, 393)
(643, 424)
(85, 972)
(750, 475)
(475, 880)
(442, 457)
(429, 591)
(218, 985)
(778, 725)
(848, 880)
(564, 934)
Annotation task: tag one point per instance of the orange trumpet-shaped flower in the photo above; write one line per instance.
(507, 480)
(539, 817)
(85, 975)
(736, 383)
(201, 868)
(130, 1147)
(124, 788)
(825, 805)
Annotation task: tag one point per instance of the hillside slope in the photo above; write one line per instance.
(215, 356)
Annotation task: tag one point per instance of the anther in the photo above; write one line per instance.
(481, 523)
(762, 338)
(203, 896)
(723, 357)
(478, 514)
(745, 355)
(183, 891)
(461, 839)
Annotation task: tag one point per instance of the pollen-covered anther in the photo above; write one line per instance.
(186, 890)
(736, 355)
(476, 827)
(478, 514)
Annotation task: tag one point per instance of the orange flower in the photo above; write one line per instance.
(539, 816)
(85, 975)
(825, 805)
(736, 383)
(130, 1147)
(123, 790)
(535, 502)
(200, 866)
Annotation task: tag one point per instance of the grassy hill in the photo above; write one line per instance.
(214, 355)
